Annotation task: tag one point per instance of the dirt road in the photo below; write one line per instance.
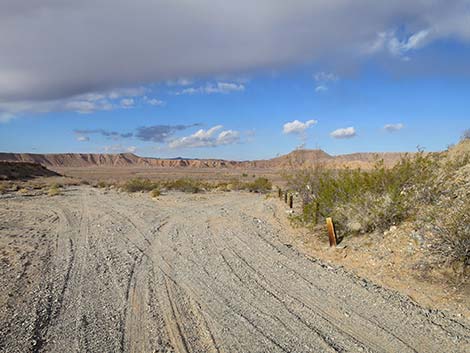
(91, 271)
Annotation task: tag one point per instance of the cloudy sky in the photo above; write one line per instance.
(233, 79)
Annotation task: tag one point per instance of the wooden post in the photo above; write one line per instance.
(279, 193)
(285, 197)
(291, 201)
(331, 231)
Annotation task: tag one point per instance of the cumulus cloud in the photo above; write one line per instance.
(344, 133)
(297, 127)
(159, 133)
(43, 42)
(207, 138)
(321, 88)
(211, 88)
(393, 127)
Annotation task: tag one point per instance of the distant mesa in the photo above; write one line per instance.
(294, 159)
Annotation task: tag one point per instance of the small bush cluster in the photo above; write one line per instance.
(450, 244)
(155, 192)
(365, 200)
(138, 184)
(187, 185)
(54, 190)
(259, 185)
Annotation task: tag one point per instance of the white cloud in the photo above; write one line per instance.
(211, 88)
(127, 103)
(388, 41)
(84, 103)
(207, 138)
(87, 107)
(325, 77)
(297, 127)
(154, 101)
(344, 133)
(119, 149)
(126, 92)
(228, 137)
(179, 82)
(83, 138)
(393, 127)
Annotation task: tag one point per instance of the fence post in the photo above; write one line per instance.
(331, 231)
(285, 197)
(291, 201)
(279, 193)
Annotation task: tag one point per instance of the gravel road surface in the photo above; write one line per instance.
(96, 271)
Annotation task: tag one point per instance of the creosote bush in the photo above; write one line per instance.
(259, 185)
(138, 184)
(430, 190)
(450, 243)
(54, 190)
(363, 201)
(155, 192)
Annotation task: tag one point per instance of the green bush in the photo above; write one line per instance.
(259, 185)
(365, 200)
(102, 184)
(186, 185)
(450, 241)
(54, 190)
(138, 184)
(155, 192)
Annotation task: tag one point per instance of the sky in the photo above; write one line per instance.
(235, 80)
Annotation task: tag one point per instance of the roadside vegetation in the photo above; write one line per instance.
(429, 190)
(259, 185)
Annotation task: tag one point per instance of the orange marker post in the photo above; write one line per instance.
(331, 231)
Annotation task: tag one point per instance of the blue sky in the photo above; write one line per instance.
(402, 85)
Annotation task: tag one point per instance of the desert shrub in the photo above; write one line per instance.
(84, 182)
(138, 184)
(3, 188)
(450, 240)
(101, 184)
(186, 185)
(259, 185)
(155, 192)
(54, 190)
(365, 200)
(244, 175)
